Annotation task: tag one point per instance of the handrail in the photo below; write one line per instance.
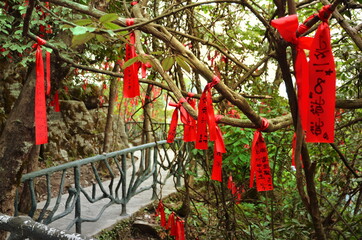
(153, 158)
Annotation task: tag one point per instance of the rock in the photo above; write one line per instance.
(145, 229)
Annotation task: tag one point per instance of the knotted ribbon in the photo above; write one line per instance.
(287, 27)
(206, 126)
(259, 166)
(40, 115)
(131, 83)
(322, 84)
(160, 211)
(219, 149)
(173, 126)
(188, 121)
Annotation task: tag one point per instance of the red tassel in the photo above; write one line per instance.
(259, 166)
(171, 224)
(131, 83)
(322, 88)
(160, 211)
(40, 115)
(206, 119)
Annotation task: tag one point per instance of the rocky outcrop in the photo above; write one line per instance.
(77, 132)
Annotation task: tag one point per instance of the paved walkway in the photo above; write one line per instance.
(112, 214)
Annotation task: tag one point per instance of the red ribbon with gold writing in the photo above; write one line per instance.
(206, 126)
(173, 126)
(130, 83)
(219, 149)
(259, 165)
(322, 85)
(160, 211)
(40, 115)
(287, 27)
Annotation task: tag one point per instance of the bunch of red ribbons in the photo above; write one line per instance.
(235, 191)
(316, 79)
(174, 224)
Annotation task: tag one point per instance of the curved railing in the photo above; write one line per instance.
(128, 171)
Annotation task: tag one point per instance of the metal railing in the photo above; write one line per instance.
(142, 163)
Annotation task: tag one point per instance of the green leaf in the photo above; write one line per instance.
(181, 61)
(108, 17)
(110, 26)
(81, 39)
(100, 38)
(79, 30)
(83, 22)
(130, 62)
(167, 63)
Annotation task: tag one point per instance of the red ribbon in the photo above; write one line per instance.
(219, 149)
(322, 87)
(287, 27)
(206, 126)
(131, 83)
(40, 115)
(171, 224)
(188, 121)
(144, 67)
(259, 166)
(235, 191)
(173, 126)
(160, 211)
(180, 229)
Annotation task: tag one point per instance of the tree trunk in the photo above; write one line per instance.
(16, 142)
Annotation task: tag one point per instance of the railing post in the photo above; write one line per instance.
(124, 186)
(154, 186)
(78, 222)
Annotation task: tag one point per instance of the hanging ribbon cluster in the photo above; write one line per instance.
(187, 120)
(40, 115)
(42, 28)
(130, 83)
(206, 125)
(259, 165)
(316, 79)
(174, 224)
(219, 149)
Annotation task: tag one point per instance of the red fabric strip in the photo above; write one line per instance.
(40, 116)
(173, 125)
(160, 211)
(259, 166)
(189, 122)
(48, 73)
(131, 81)
(56, 102)
(180, 230)
(206, 126)
(322, 88)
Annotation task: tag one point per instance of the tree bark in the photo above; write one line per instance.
(16, 142)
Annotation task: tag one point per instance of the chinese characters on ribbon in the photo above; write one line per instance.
(322, 88)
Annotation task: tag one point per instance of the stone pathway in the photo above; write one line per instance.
(113, 213)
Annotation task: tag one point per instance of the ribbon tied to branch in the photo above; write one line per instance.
(40, 115)
(259, 165)
(173, 126)
(131, 82)
(206, 125)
